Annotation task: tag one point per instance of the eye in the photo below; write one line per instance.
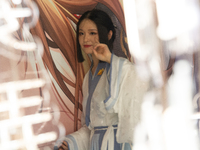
(93, 33)
(80, 33)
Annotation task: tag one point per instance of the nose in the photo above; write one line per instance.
(86, 37)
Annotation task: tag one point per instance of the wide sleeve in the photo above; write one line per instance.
(126, 92)
(78, 140)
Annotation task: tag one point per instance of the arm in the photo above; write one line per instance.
(78, 140)
(126, 95)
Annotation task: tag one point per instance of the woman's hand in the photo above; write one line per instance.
(64, 146)
(102, 52)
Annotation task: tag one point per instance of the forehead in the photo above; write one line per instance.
(87, 24)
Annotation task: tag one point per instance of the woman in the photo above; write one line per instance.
(112, 92)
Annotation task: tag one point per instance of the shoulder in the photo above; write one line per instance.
(121, 63)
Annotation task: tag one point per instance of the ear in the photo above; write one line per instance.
(110, 33)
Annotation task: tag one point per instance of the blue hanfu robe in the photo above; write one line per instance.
(111, 107)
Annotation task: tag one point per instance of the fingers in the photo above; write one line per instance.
(96, 43)
(99, 46)
(65, 143)
(101, 51)
(64, 146)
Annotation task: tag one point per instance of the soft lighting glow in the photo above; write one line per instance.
(176, 17)
(24, 102)
(177, 125)
(17, 1)
(132, 29)
(16, 125)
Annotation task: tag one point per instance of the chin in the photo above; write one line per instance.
(87, 51)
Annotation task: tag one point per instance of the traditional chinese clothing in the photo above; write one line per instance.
(111, 107)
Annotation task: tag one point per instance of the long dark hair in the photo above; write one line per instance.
(104, 25)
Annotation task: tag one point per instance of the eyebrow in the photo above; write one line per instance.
(89, 29)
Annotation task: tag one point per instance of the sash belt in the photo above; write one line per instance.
(108, 138)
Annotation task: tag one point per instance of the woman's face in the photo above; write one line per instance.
(88, 35)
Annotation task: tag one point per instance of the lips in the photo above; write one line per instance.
(86, 46)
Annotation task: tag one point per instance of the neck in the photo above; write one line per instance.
(95, 63)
